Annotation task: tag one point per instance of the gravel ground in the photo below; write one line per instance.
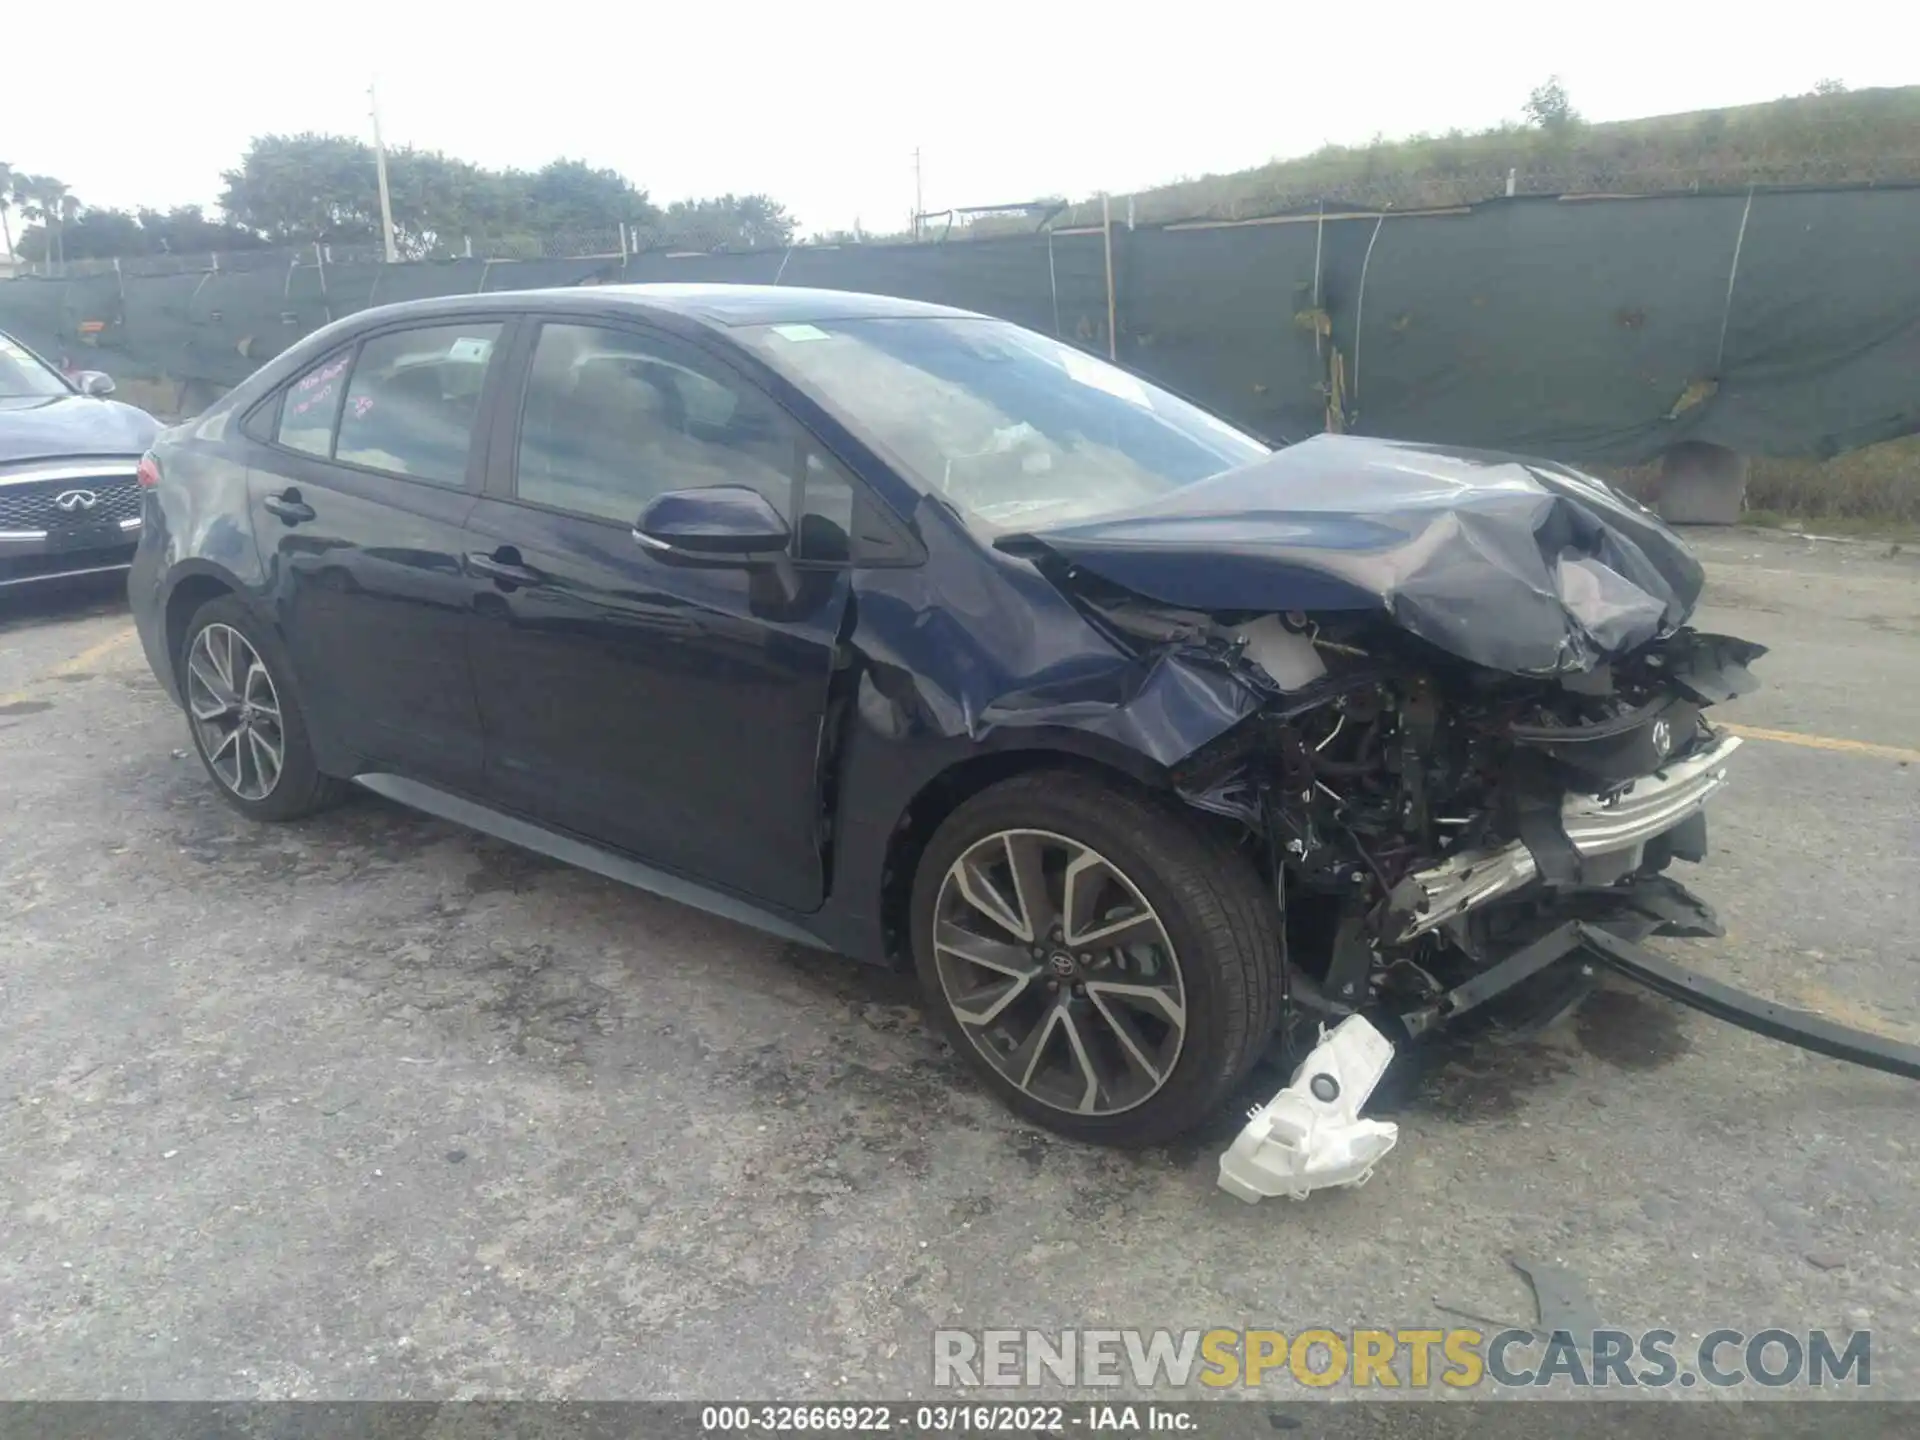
(374, 1107)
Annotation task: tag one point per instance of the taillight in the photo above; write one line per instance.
(149, 472)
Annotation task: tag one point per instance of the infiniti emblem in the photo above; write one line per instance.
(1662, 738)
(74, 500)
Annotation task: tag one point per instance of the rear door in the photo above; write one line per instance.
(370, 464)
(675, 713)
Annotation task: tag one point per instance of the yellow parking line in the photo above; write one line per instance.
(74, 665)
(1823, 742)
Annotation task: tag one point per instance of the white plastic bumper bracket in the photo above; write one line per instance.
(1310, 1136)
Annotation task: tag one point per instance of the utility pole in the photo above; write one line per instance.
(1113, 318)
(919, 203)
(380, 169)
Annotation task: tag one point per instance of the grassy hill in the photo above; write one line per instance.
(1857, 137)
(1860, 137)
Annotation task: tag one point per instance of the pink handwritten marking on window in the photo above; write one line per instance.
(362, 404)
(320, 376)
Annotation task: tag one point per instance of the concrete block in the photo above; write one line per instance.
(1701, 484)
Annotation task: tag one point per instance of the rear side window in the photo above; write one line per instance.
(311, 402)
(412, 401)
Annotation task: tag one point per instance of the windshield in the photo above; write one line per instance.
(24, 376)
(1015, 429)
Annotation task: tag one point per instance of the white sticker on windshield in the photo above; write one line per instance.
(801, 332)
(1089, 371)
(469, 349)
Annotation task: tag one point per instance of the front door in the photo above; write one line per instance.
(358, 500)
(671, 712)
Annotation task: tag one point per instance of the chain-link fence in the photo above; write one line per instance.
(616, 242)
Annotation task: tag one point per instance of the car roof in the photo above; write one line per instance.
(710, 304)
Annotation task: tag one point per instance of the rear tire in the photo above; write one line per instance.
(246, 723)
(1149, 989)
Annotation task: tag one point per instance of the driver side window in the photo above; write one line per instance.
(613, 418)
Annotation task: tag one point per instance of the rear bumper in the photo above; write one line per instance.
(146, 597)
(1649, 808)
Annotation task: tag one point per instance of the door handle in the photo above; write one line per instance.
(505, 572)
(288, 506)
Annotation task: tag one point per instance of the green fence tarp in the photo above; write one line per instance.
(1587, 329)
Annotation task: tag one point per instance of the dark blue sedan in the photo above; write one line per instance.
(932, 640)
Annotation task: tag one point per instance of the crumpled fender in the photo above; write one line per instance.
(1007, 663)
(975, 654)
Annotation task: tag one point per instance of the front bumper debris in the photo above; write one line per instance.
(1593, 945)
(1594, 826)
(1310, 1135)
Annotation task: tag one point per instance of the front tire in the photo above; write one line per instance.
(1110, 967)
(247, 726)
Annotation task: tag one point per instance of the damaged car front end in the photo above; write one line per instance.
(1483, 727)
(1382, 732)
(1481, 711)
(1425, 817)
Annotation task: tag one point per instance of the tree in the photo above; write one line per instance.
(21, 192)
(297, 189)
(1550, 108)
(43, 199)
(1829, 87)
(728, 222)
(94, 233)
(437, 201)
(186, 230)
(101, 234)
(324, 189)
(304, 188)
(570, 195)
(58, 205)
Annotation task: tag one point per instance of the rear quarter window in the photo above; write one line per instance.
(413, 399)
(309, 405)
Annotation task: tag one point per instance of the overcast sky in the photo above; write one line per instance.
(822, 104)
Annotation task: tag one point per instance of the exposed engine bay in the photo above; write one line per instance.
(1441, 834)
(1454, 702)
(1400, 792)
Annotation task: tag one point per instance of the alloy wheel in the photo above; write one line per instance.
(1060, 973)
(235, 711)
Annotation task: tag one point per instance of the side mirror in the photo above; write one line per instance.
(718, 525)
(94, 382)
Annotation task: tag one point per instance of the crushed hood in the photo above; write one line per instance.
(54, 427)
(1519, 565)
